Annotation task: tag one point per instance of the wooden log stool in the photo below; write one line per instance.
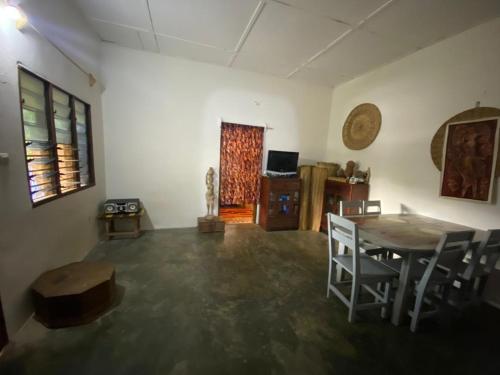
(75, 294)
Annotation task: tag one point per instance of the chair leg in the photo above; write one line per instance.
(416, 311)
(341, 251)
(481, 285)
(387, 298)
(467, 292)
(445, 293)
(332, 271)
(354, 301)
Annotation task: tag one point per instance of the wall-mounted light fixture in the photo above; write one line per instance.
(14, 13)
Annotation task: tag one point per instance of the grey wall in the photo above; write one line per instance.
(33, 240)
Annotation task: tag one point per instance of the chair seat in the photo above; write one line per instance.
(370, 268)
(437, 277)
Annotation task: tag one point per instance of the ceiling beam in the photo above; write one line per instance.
(152, 26)
(342, 37)
(253, 19)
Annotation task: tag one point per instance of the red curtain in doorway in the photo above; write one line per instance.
(240, 163)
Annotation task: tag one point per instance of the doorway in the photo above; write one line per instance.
(4, 339)
(241, 150)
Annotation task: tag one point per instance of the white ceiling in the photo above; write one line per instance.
(322, 41)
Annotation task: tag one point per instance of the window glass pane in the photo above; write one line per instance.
(62, 116)
(39, 149)
(56, 131)
(66, 152)
(82, 137)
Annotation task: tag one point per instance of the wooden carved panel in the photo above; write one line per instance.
(468, 115)
(470, 157)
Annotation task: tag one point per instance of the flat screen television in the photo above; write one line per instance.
(282, 162)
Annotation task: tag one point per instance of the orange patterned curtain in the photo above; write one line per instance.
(240, 163)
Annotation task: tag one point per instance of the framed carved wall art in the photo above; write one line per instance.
(469, 159)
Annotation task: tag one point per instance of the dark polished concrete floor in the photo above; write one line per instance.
(247, 302)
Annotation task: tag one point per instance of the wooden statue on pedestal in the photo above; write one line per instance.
(210, 223)
(210, 195)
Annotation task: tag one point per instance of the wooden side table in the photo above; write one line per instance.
(109, 223)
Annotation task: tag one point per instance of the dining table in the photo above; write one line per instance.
(411, 236)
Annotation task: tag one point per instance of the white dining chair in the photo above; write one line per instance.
(366, 272)
(357, 208)
(372, 207)
(473, 273)
(451, 249)
(432, 284)
(350, 208)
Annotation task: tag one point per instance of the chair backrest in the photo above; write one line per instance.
(345, 233)
(488, 248)
(450, 250)
(372, 208)
(350, 208)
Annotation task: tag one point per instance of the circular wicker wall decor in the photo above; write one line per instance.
(361, 126)
(468, 115)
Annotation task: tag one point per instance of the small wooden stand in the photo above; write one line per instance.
(215, 224)
(109, 222)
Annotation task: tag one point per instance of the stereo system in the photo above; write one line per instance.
(118, 206)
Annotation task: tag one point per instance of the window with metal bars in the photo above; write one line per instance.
(57, 139)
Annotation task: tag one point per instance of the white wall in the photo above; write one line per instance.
(415, 96)
(162, 126)
(33, 240)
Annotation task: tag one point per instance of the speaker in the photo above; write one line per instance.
(110, 208)
(115, 206)
(132, 206)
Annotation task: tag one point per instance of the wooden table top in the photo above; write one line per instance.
(406, 232)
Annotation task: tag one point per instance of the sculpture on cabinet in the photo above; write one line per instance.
(349, 169)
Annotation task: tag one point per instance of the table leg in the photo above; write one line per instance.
(107, 224)
(137, 226)
(400, 307)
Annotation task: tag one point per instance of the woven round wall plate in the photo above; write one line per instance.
(361, 126)
(468, 115)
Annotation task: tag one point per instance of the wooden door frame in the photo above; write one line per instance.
(4, 338)
(265, 127)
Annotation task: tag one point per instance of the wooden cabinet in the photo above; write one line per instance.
(279, 203)
(336, 191)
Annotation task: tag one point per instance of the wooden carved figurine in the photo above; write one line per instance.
(349, 169)
(210, 195)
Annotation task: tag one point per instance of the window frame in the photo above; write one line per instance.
(48, 91)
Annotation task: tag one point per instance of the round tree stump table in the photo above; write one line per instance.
(74, 294)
